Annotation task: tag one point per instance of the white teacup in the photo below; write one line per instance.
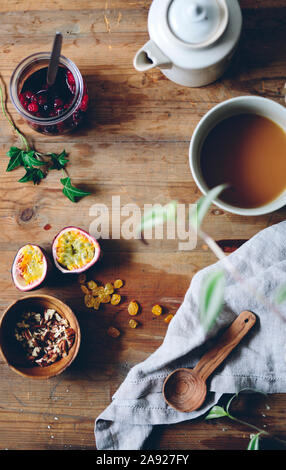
(243, 104)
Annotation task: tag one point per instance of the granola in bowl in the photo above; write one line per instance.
(46, 337)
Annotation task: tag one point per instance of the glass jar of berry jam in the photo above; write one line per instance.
(51, 111)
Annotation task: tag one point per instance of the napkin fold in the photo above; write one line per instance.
(258, 362)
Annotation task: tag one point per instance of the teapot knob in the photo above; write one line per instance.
(196, 12)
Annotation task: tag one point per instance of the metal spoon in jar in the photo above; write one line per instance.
(54, 60)
(53, 63)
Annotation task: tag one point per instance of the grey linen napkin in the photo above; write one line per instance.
(258, 362)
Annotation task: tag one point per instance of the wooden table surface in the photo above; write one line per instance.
(133, 145)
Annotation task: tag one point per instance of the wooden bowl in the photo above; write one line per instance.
(13, 351)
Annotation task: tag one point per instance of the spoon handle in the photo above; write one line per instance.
(227, 342)
(54, 60)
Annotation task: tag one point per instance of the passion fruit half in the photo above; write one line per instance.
(74, 250)
(30, 267)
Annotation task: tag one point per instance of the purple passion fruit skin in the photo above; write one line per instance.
(30, 268)
(75, 250)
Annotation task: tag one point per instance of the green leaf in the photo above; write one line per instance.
(29, 159)
(13, 151)
(203, 204)
(158, 215)
(15, 155)
(211, 298)
(32, 174)
(281, 295)
(71, 192)
(216, 412)
(59, 160)
(254, 442)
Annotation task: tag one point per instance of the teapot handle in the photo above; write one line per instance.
(150, 56)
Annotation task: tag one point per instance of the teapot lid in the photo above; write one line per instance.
(191, 44)
(198, 22)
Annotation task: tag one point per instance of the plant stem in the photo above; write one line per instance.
(255, 428)
(218, 252)
(20, 135)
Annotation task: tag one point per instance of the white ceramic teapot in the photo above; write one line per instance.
(191, 41)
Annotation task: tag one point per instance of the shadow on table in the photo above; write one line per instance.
(262, 46)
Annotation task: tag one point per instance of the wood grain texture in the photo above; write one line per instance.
(134, 145)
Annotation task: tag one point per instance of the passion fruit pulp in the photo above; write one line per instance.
(30, 267)
(74, 250)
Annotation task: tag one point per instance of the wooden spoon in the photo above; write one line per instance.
(185, 389)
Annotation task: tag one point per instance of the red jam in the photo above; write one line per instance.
(54, 102)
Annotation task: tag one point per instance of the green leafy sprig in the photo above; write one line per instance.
(36, 164)
(220, 412)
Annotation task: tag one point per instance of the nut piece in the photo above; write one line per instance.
(118, 283)
(133, 323)
(168, 318)
(133, 308)
(157, 310)
(113, 332)
(46, 337)
(115, 299)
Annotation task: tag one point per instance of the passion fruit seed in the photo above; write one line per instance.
(29, 268)
(74, 250)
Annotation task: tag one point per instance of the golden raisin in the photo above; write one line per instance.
(133, 323)
(168, 318)
(89, 300)
(157, 310)
(118, 283)
(109, 289)
(84, 289)
(104, 298)
(96, 303)
(92, 285)
(133, 308)
(115, 299)
(98, 291)
(113, 332)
